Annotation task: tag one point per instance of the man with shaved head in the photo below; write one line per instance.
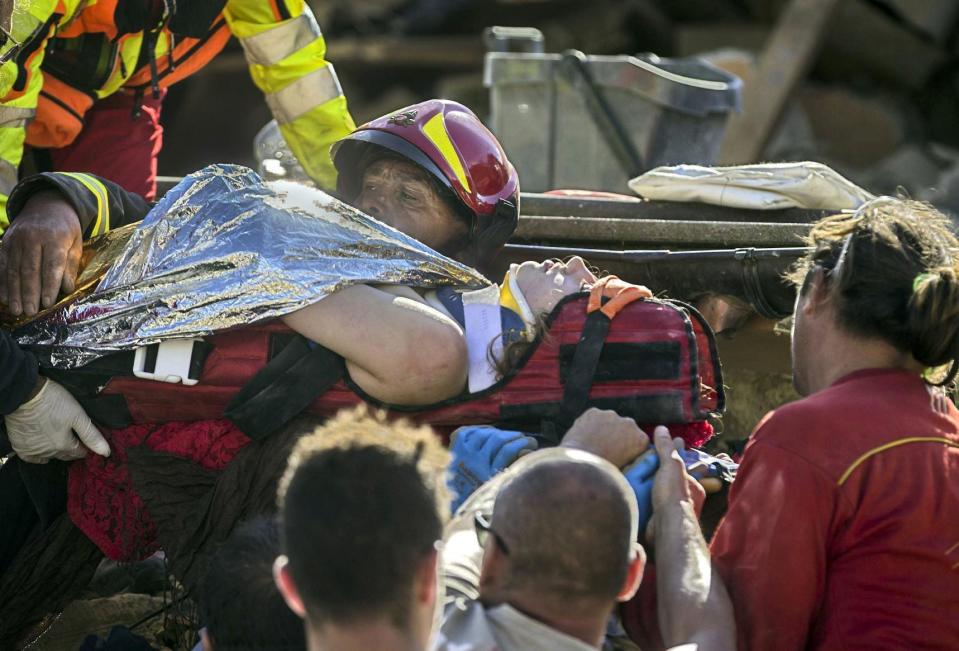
(539, 556)
(555, 562)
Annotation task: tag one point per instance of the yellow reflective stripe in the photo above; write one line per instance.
(305, 61)
(304, 94)
(102, 224)
(252, 13)
(272, 46)
(11, 153)
(893, 444)
(129, 51)
(435, 130)
(311, 135)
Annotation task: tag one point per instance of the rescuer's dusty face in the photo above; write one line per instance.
(401, 194)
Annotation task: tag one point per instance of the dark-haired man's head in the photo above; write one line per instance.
(360, 506)
(239, 602)
(561, 544)
(880, 289)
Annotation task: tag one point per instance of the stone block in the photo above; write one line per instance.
(693, 39)
(912, 168)
(937, 18)
(851, 127)
(864, 40)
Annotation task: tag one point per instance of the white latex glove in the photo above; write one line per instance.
(43, 428)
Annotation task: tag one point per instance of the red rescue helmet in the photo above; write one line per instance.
(447, 140)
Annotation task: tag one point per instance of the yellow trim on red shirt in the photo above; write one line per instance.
(892, 444)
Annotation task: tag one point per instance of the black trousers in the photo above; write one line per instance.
(32, 496)
(45, 561)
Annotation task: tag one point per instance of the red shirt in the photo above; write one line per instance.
(843, 522)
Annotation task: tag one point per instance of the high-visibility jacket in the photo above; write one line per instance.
(66, 54)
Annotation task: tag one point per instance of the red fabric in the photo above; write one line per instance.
(872, 562)
(103, 504)
(100, 496)
(694, 434)
(238, 354)
(115, 145)
(639, 616)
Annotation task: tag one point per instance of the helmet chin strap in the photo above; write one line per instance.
(490, 232)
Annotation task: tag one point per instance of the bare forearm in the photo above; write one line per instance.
(693, 605)
(395, 348)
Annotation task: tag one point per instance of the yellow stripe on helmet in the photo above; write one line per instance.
(435, 130)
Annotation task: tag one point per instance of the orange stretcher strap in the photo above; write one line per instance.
(619, 292)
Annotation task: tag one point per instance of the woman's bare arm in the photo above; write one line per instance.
(397, 349)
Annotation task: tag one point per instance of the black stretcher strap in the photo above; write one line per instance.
(85, 384)
(628, 361)
(111, 410)
(582, 370)
(283, 388)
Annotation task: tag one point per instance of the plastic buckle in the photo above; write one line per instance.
(167, 361)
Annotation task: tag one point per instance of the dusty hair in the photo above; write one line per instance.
(892, 266)
(360, 427)
(361, 507)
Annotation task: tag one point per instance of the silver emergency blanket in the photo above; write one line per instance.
(224, 249)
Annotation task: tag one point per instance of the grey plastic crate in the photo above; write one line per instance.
(553, 127)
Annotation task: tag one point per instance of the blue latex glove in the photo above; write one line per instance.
(640, 476)
(479, 452)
